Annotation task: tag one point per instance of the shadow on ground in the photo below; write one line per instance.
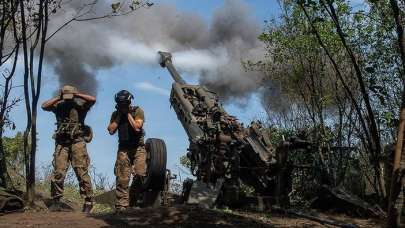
(179, 216)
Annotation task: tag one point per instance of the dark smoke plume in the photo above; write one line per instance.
(213, 51)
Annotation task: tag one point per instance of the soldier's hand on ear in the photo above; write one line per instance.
(117, 118)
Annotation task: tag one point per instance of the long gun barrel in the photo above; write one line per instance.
(166, 61)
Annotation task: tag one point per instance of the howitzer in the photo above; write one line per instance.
(220, 147)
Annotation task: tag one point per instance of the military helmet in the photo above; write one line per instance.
(123, 97)
(68, 91)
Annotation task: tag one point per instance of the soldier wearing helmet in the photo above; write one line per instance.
(128, 121)
(71, 135)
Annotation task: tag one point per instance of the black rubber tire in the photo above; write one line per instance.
(156, 165)
(151, 198)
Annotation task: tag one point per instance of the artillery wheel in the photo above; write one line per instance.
(154, 181)
(155, 164)
(151, 198)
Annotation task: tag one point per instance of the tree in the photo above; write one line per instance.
(8, 62)
(32, 15)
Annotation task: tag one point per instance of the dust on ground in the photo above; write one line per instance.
(178, 216)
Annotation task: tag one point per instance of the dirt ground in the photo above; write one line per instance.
(179, 216)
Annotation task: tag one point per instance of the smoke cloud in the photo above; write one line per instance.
(213, 51)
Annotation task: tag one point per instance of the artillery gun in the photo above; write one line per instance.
(221, 149)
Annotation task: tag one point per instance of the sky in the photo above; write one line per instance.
(151, 87)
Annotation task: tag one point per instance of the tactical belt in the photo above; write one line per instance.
(69, 132)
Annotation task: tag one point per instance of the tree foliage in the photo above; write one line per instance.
(13, 147)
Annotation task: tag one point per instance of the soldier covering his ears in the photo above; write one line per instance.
(71, 136)
(131, 156)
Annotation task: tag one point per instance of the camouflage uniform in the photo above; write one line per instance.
(131, 157)
(70, 147)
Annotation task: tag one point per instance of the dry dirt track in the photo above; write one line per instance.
(181, 216)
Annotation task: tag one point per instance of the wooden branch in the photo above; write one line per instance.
(7, 56)
(81, 14)
(41, 55)
(2, 29)
(60, 28)
(4, 24)
(394, 215)
(26, 95)
(38, 29)
(14, 61)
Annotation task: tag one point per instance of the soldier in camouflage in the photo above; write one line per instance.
(131, 156)
(71, 136)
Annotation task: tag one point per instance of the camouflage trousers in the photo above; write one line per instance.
(129, 161)
(75, 154)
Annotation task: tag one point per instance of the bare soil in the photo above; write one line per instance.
(179, 216)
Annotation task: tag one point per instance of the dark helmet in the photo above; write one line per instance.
(123, 97)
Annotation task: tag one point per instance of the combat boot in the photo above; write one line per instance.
(87, 206)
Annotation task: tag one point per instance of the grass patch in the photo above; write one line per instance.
(71, 194)
(102, 209)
